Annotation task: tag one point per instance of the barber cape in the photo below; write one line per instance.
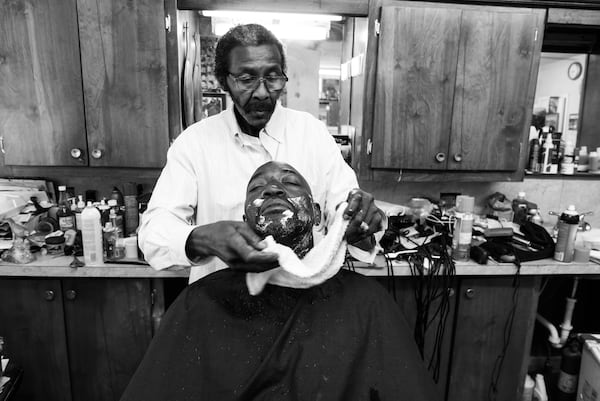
(344, 339)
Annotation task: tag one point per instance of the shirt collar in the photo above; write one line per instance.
(275, 126)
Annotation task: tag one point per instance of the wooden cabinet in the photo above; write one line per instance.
(453, 86)
(76, 339)
(485, 342)
(86, 83)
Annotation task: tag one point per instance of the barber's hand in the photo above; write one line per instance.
(365, 218)
(234, 243)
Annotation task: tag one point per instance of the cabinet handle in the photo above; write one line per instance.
(458, 157)
(440, 157)
(470, 293)
(49, 295)
(76, 153)
(2, 145)
(71, 294)
(96, 153)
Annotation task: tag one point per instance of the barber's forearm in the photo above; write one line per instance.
(162, 238)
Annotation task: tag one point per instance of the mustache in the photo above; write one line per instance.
(259, 106)
(276, 201)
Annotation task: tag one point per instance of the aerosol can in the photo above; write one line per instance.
(567, 231)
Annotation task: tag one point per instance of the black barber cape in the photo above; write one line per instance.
(343, 340)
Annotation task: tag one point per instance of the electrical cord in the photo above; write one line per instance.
(506, 334)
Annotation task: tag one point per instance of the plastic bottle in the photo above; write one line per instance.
(80, 207)
(539, 391)
(132, 214)
(104, 211)
(567, 232)
(528, 389)
(463, 227)
(91, 234)
(520, 206)
(117, 195)
(109, 236)
(594, 163)
(582, 166)
(569, 372)
(534, 155)
(567, 163)
(115, 216)
(66, 218)
(547, 153)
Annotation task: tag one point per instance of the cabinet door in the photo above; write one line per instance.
(41, 99)
(32, 324)
(492, 339)
(109, 328)
(123, 58)
(497, 68)
(414, 88)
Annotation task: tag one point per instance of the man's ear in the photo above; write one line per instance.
(317, 213)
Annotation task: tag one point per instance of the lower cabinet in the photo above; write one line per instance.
(77, 339)
(483, 351)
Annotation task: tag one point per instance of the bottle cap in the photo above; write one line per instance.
(108, 226)
(571, 210)
(593, 154)
(112, 202)
(89, 204)
(62, 187)
(521, 195)
(465, 204)
(583, 150)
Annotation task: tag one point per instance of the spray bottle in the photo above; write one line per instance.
(568, 223)
(463, 227)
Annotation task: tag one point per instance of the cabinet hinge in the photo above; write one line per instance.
(2, 145)
(369, 146)
(168, 22)
(377, 27)
(535, 36)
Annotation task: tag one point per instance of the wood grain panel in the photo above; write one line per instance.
(480, 338)
(41, 100)
(491, 104)
(577, 17)
(358, 98)
(590, 118)
(414, 86)
(123, 54)
(34, 334)
(109, 327)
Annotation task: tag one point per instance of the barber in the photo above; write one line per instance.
(193, 216)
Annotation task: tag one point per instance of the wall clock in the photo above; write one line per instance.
(574, 70)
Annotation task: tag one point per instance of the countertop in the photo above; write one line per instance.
(58, 266)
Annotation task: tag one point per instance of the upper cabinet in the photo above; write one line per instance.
(452, 85)
(84, 83)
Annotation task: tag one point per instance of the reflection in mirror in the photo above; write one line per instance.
(558, 95)
(313, 45)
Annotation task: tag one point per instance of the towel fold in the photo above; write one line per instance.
(320, 263)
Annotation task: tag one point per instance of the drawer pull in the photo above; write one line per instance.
(440, 157)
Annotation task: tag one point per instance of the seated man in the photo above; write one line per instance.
(344, 339)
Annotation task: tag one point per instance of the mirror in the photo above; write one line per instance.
(313, 45)
(558, 94)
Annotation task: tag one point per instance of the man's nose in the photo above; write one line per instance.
(273, 190)
(261, 91)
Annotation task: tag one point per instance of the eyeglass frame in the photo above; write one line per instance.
(259, 80)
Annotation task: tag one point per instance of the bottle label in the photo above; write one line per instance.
(567, 383)
(66, 223)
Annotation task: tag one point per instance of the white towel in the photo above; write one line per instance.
(318, 265)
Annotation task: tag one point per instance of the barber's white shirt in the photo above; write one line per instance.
(209, 166)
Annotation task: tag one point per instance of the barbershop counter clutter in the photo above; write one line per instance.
(58, 266)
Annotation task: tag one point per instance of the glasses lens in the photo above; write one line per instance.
(250, 83)
(274, 83)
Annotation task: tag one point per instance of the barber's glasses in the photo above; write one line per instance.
(248, 83)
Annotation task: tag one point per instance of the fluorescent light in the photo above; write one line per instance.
(283, 25)
(256, 15)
